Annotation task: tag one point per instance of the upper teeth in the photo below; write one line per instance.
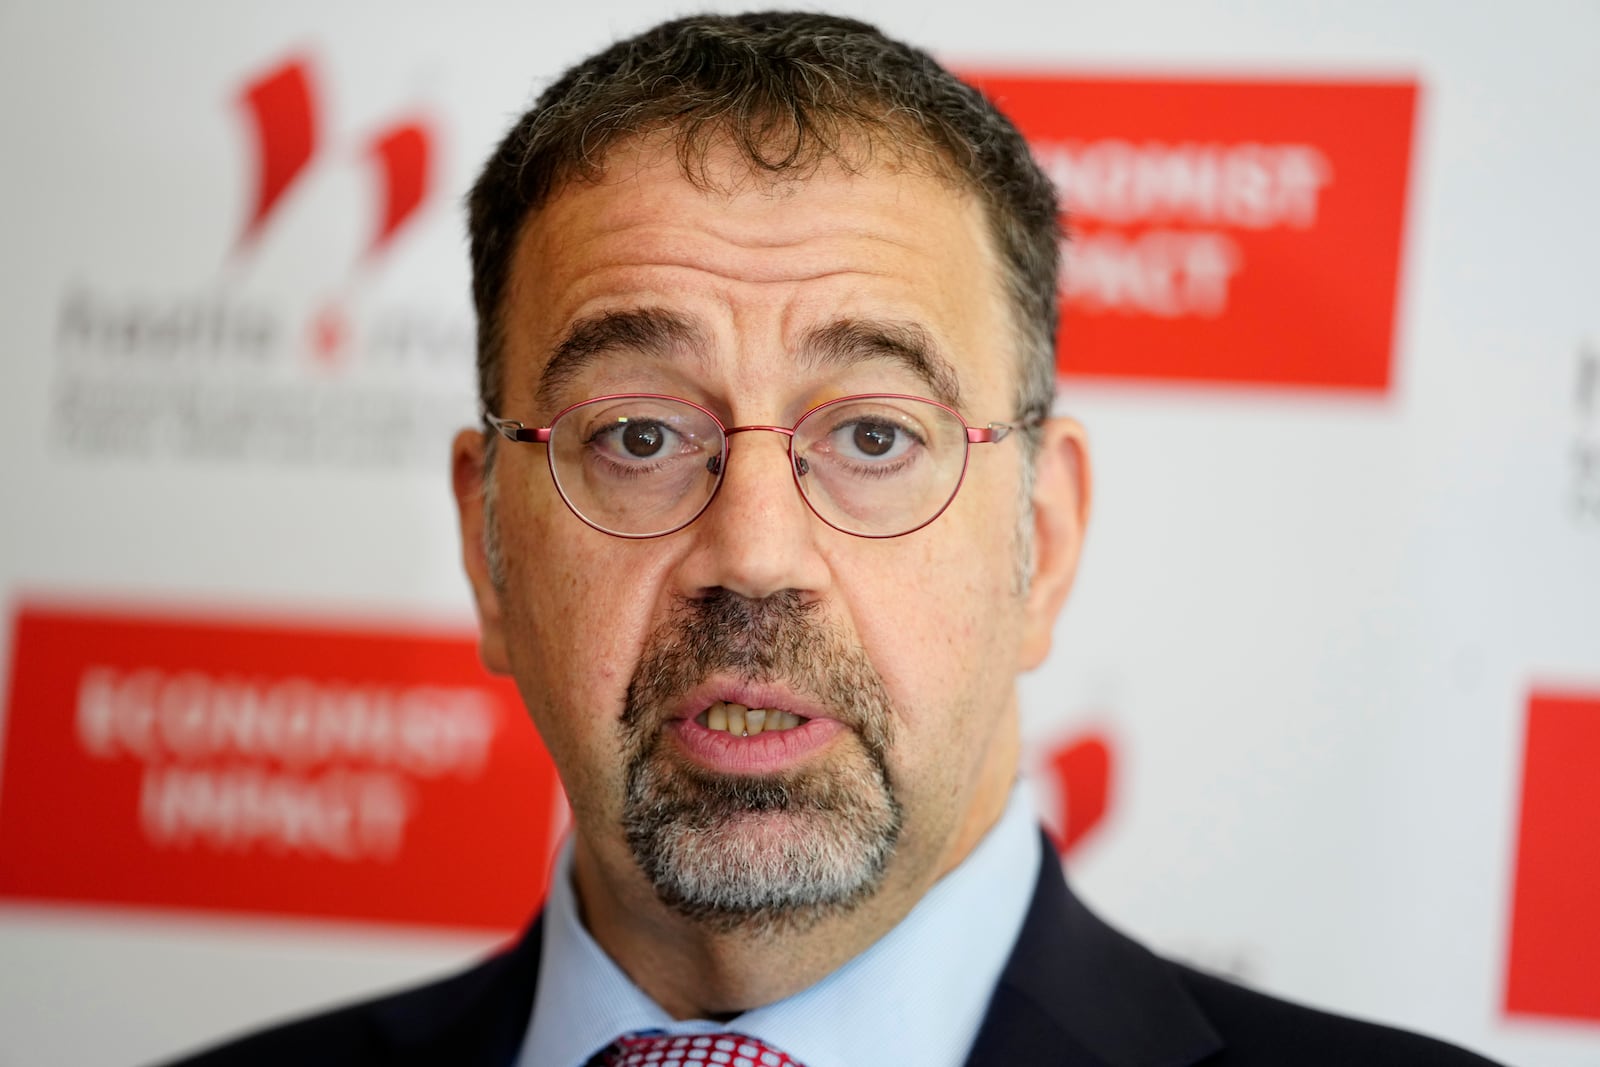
(746, 722)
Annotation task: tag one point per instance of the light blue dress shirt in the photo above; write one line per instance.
(916, 996)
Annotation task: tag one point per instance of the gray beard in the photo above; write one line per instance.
(759, 852)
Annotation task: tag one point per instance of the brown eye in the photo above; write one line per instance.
(874, 438)
(643, 439)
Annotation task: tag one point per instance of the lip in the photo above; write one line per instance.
(751, 695)
(765, 753)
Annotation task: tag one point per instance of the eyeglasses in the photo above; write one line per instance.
(644, 465)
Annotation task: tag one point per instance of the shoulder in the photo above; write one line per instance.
(346, 1036)
(475, 1017)
(1258, 1028)
(1075, 983)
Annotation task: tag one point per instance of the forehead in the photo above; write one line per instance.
(739, 278)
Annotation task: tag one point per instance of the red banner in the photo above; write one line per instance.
(1555, 917)
(1224, 231)
(293, 769)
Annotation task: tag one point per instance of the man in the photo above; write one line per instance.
(767, 515)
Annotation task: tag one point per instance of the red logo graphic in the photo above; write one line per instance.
(402, 155)
(282, 107)
(1224, 231)
(283, 111)
(1081, 771)
(1555, 915)
(304, 770)
(328, 331)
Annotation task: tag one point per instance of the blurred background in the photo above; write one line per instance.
(1324, 710)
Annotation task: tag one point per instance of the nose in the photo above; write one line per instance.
(757, 537)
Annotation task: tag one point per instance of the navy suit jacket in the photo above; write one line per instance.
(1074, 993)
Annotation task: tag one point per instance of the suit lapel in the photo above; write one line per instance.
(477, 1019)
(1075, 993)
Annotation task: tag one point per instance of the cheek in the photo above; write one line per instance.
(951, 642)
(577, 614)
(934, 619)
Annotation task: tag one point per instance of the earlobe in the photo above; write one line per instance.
(1061, 494)
(467, 476)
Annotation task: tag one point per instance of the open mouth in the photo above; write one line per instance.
(742, 721)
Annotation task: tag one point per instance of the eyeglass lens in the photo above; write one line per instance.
(640, 466)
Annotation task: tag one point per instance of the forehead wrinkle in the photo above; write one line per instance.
(646, 331)
(847, 342)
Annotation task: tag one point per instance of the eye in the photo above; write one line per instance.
(643, 439)
(866, 439)
(873, 439)
(630, 440)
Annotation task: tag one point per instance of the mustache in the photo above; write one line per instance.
(781, 639)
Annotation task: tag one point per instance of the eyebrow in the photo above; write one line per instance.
(649, 331)
(658, 332)
(851, 341)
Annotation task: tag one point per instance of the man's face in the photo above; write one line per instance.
(884, 667)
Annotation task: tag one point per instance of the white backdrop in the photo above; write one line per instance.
(1309, 622)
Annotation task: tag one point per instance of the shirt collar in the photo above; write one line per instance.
(918, 995)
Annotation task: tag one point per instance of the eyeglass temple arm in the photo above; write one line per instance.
(996, 432)
(512, 430)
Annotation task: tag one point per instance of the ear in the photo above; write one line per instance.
(467, 479)
(1060, 513)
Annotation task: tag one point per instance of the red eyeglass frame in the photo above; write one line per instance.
(991, 433)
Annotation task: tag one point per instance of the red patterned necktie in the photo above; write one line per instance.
(689, 1050)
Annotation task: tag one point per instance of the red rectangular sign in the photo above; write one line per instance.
(316, 770)
(1224, 231)
(1554, 962)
